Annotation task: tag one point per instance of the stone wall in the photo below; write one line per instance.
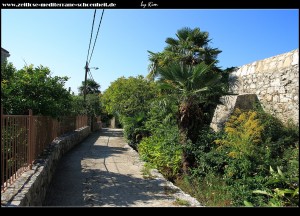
(30, 189)
(229, 104)
(275, 81)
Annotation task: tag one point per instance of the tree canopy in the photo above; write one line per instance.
(91, 87)
(128, 96)
(191, 47)
(33, 88)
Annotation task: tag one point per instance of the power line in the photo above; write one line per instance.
(96, 35)
(87, 69)
(90, 73)
(91, 36)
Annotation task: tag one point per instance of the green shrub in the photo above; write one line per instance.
(282, 186)
(134, 129)
(203, 152)
(253, 141)
(243, 134)
(163, 151)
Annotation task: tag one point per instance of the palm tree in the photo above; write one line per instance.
(193, 86)
(190, 47)
(91, 87)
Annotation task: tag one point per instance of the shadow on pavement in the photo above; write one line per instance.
(114, 189)
(73, 185)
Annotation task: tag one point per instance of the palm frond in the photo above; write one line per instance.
(172, 41)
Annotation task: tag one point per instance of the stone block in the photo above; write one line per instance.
(284, 98)
(244, 70)
(272, 65)
(265, 67)
(275, 82)
(259, 67)
(287, 62)
(252, 86)
(275, 98)
(270, 90)
(269, 98)
(251, 69)
(295, 60)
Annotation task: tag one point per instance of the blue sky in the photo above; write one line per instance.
(59, 38)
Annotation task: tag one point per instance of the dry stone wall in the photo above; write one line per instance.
(274, 80)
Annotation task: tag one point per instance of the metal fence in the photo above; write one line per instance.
(24, 138)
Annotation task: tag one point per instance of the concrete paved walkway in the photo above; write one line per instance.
(104, 171)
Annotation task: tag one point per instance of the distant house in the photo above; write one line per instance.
(4, 55)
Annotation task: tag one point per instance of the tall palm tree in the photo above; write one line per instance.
(193, 86)
(191, 46)
(91, 87)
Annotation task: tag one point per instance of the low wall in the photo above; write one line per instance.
(30, 189)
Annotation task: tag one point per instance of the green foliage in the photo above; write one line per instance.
(34, 88)
(277, 136)
(250, 144)
(210, 190)
(243, 134)
(204, 155)
(285, 189)
(92, 87)
(128, 96)
(134, 129)
(163, 151)
(187, 68)
(129, 100)
(191, 47)
(91, 107)
(7, 72)
(186, 81)
(229, 165)
(162, 111)
(282, 185)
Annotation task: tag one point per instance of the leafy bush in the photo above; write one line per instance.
(276, 136)
(127, 96)
(134, 129)
(282, 187)
(34, 88)
(253, 141)
(162, 111)
(203, 153)
(243, 134)
(163, 151)
(287, 194)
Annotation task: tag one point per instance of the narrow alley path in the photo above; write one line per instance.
(104, 171)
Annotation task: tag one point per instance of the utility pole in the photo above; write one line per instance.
(86, 71)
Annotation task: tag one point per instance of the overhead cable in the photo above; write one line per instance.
(91, 36)
(96, 36)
